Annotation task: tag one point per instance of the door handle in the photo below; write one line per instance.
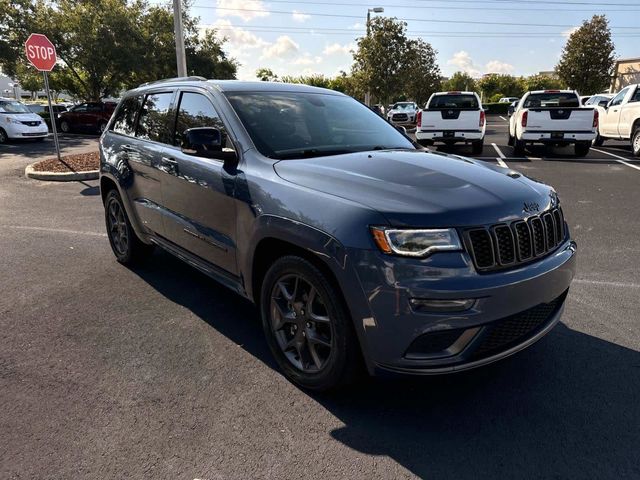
(127, 148)
(169, 161)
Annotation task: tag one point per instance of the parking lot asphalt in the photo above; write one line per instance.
(109, 372)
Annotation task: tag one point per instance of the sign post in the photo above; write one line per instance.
(41, 53)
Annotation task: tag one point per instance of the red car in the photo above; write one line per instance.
(91, 116)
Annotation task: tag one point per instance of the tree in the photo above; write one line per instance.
(422, 77)
(542, 82)
(390, 66)
(266, 75)
(106, 46)
(588, 57)
(460, 81)
(495, 86)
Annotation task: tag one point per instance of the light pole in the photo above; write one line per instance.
(177, 26)
(367, 96)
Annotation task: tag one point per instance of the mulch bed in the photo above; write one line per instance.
(79, 162)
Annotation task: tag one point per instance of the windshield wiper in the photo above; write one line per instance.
(311, 153)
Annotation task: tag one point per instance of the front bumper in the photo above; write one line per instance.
(527, 300)
(548, 137)
(16, 131)
(449, 135)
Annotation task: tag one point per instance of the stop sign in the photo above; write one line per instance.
(40, 52)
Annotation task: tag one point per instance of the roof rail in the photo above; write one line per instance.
(175, 79)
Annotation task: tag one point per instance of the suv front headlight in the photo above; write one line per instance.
(415, 242)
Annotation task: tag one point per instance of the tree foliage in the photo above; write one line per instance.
(588, 57)
(460, 81)
(389, 65)
(266, 75)
(106, 46)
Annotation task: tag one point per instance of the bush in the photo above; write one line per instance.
(496, 108)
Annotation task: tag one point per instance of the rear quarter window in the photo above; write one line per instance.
(125, 119)
(155, 119)
(441, 102)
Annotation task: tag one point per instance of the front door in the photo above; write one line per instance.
(612, 115)
(199, 192)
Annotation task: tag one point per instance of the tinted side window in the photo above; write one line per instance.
(155, 122)
(196, 110)
(636, 96)
(80, 108)
(125, 120)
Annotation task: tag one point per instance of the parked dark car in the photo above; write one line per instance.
(91, 116)
(43, 111)
(357, 246)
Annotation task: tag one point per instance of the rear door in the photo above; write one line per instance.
(199, 192)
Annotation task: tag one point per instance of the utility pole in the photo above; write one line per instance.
(177, 26)
(367, 96)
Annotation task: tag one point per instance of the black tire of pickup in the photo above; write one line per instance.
(598, 141)
(582, 149)
(518, 146)
(510, 140)
(477, 146)
(635, 142)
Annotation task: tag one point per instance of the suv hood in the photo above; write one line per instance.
(421, 188)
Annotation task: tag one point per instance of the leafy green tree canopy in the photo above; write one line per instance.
(460, 81)
(588, 57)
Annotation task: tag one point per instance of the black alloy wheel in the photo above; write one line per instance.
(126, 245)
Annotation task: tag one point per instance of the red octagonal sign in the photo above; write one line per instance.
(40, 52)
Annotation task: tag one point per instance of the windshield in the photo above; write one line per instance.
(453, 101)
(13, 106)
(301, 125)
(552, 99)
(404, 106)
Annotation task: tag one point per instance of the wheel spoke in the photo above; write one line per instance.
(283, 316)
(283, 290)
(314, 355)
(317, 339)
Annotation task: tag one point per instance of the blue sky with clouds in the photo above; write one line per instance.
(518, 37)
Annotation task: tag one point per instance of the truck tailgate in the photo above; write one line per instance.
(572, 119)
(452, 119)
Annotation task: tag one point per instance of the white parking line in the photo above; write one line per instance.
(502, 118)
(501, 156)
(55, 230)
(608, 284)
(618, 157)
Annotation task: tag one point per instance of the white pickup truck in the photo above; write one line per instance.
(552, 117)
(620, 118)
(451, 117)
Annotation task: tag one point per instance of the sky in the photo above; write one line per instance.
(519, 37)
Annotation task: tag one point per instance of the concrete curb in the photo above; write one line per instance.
(60, 176)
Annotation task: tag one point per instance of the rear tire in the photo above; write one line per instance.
(4, 138)
(510, 141)
(102, 127)
(477, 147)
(635, 142)
(65, 127)
(426, 143)
(332, 359)
(126, 245)
(598, 141)
(518, 146)
(582, 149)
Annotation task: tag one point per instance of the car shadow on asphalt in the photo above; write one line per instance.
(47, 147)
(565, 408)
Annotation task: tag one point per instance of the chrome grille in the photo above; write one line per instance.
(507, 244)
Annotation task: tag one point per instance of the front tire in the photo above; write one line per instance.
(102, 127)
(126, 245)
(65, 127)
(582, 149)
(635, 142)
(4, 138)
(307, 326)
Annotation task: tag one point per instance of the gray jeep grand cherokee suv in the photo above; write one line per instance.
(355, 243)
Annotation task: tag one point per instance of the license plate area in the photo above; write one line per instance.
(449, 134)
(557, 135)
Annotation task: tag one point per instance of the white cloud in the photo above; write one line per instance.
(283, 47)
(496, 66)
(300, 17)
(463, 61)
(244, 9)
(337, 49)
(357, 26)
(567, 33)
(307, 59)
(238, 38)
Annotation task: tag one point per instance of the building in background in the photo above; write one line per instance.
(626, 71)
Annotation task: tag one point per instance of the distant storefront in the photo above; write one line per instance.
(625, 72)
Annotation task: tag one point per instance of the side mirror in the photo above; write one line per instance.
(603, 103)
(401, 129)
(202, 142)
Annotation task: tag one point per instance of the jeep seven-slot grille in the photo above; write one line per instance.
(505, 245)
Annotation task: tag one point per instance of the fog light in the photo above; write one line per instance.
(437, 305)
